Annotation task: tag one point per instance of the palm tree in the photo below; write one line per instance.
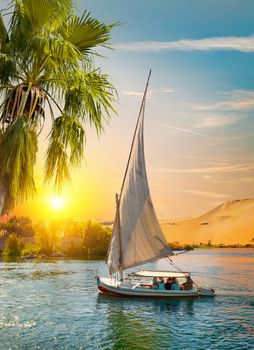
(47, 57)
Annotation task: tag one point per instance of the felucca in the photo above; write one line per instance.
(137, 237)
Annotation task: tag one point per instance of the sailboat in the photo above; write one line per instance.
(137, 237)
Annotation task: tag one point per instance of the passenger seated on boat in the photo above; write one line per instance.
(168, 284)
(161, 283)
(175, 284)
(188, 284)
(155, 283)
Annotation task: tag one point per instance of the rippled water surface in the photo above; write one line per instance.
(55, 305)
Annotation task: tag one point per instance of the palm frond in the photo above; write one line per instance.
(89, 95)
(55, 47)
(18, 13)
(86, 32)
(39, 13)
(66, 145)
(4, 38)
(7, 64)
(8, 69)
(18, 145)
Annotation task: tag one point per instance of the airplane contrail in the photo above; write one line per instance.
(185, 130)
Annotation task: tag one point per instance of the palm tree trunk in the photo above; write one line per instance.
(23, 104)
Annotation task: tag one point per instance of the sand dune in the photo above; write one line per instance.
(230, 223)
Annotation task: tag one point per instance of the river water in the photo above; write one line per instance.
(55, 305)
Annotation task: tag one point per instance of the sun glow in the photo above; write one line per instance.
(57, 203)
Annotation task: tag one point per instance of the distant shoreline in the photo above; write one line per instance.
(180, 247)
(101, 258)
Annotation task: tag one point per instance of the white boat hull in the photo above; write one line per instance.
(129, 288)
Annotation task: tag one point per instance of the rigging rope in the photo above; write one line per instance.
(180, 270)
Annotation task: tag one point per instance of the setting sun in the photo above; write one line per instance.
(57, 203)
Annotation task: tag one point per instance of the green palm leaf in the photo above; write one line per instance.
(86, 32)
(4, 38)
(55, 47)
(18, 145)
(40, 13)
(66, 149)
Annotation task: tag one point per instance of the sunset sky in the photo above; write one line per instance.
(199, 128)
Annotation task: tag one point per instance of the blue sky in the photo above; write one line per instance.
(199, 127)
(199, 119)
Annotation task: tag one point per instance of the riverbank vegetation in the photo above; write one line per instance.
(58, 238)
(21, 238)
(208, 245)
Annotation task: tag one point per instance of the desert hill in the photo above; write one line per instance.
(231, 222)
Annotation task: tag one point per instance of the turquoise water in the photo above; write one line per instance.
(55, 305)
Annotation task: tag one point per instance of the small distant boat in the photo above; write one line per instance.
(137, 237)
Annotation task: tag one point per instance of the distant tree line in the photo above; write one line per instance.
(68, 238)
(21, 226)
(178, 246)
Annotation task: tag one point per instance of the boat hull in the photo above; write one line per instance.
(109, 286)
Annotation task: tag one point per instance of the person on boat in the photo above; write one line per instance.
(161, 283)
(188, 284)
(155, 283)
(175, 284)
(168, 284)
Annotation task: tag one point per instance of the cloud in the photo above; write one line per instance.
(241, 180)
(204, 193)
(238, 100)
(168, 90)
(213, 122)
(184, 130)
(133, 93)
(232, 43)
(138, 93)
(237, 168)
(226, 105)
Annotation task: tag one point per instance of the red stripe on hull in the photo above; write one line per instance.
(105, 290)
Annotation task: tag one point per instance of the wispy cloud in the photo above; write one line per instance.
(213, 122)
(138, 93)
(168, 90)
(184, 130)
(238, 100)
(243, 44)
(241, 180)
(204, 193)
(236, 168)
(226, 105)
(204, 160)
(133, 93)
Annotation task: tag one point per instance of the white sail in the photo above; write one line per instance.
(137, 237)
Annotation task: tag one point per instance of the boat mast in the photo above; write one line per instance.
(118, 197)
(119, 235)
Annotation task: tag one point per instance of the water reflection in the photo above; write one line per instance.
(175, 306)
(128, 328)
(143, 323)
(172, 306)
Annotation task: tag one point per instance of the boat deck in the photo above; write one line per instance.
(132, 288)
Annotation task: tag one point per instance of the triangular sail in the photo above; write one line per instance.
(137, 237)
